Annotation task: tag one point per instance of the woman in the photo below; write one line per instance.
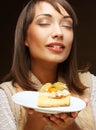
(45, 51)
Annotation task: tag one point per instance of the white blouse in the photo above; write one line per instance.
(93, 96)
(7, 120)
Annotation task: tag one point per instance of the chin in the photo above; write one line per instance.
(57, 61)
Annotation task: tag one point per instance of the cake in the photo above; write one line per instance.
(54, 95)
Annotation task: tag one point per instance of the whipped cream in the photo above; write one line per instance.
(56, 94)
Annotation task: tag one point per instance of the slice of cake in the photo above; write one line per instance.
(54, 95)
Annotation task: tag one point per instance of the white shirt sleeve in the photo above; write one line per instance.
(7, 121)
(93, 96)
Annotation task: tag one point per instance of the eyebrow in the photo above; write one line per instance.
(67, 16)
(49, 15)
(44, 15)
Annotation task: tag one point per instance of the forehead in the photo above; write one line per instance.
(47, 8)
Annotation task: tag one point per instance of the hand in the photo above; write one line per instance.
(32, 118)
(59, 121)
(62, 120)
(86, 100)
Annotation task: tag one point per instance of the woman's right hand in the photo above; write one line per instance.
(34, 120)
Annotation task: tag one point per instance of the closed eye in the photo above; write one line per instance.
(67, 26)
(44, 24)
(67, 22)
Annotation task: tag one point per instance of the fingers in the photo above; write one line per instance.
(62, 120)
(29, 111)
(74, 114)
(86, 100)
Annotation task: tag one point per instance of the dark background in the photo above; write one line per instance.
(86, 34)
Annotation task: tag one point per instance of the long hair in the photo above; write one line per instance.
(21, 66)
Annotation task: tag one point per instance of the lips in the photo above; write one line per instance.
(56, 47)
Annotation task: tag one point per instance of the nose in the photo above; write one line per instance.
(57, 32)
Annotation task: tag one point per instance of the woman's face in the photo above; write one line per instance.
(50, 35)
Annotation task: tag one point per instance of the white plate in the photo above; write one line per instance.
(29, 99)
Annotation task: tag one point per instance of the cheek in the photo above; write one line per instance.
(69, 39)
(68, 43)
(32, 36)
(36, 36)
(35, 41)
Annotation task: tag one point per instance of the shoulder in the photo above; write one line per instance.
(7, 87)
(4, 84)
(89, 80)
(85, 74)
(93, 94)
(86, 78)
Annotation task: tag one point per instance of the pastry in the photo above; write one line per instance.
(54, 95)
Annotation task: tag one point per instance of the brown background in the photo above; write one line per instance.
(86, 35)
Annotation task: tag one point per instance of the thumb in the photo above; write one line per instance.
(86, 100)
(29, 111)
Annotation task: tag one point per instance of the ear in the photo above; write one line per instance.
(26, 43)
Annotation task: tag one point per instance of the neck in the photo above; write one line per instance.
(45, 72)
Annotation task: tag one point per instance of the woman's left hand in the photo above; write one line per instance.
(62, 120)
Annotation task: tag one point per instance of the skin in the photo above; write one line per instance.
(45, 57)
(49, 39)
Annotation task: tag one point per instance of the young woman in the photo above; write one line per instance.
(45, 51)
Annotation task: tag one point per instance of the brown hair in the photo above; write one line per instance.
(21, 61)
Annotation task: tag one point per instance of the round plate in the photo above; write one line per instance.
(29, 99)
